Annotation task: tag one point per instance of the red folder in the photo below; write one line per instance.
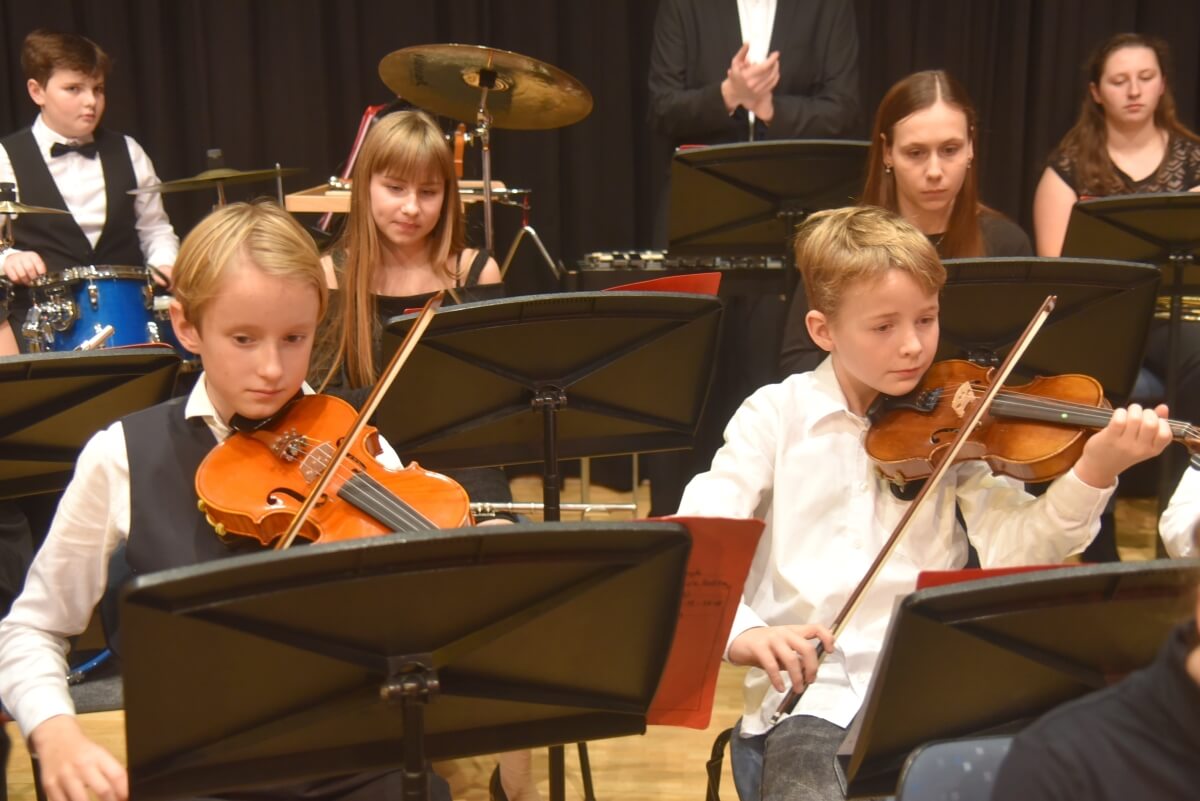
(938, 578)
(692, 283)
(720, 559)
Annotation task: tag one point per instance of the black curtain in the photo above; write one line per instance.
(286, 81)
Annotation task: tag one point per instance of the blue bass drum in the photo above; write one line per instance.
(70, 307)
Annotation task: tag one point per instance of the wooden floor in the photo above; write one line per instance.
(665, 763)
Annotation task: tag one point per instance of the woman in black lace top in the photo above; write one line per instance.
(1127, 139)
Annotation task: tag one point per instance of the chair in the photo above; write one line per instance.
(963, 770)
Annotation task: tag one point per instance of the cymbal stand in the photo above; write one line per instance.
(483, 130)
(527, 230)
(7, 192)
(483, 123)
(216, 160)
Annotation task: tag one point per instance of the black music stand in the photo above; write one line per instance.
(1160, 229)
(606, 372)
(986, 305)
(281, 666)
(52, 403)
(988, 656)
(549, 377)
(746, 199)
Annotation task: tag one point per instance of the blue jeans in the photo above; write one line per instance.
(798, 755)
(746, 759)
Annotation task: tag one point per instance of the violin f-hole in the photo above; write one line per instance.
(936, 437)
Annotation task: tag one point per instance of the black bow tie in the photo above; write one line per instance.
(85, 149)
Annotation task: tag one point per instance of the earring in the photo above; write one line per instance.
(887, 168)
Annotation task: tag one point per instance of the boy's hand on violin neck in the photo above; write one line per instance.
(71, 765)
(1133, 435)
(782, 649)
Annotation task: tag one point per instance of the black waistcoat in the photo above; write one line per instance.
(57, 238)
(166, 529)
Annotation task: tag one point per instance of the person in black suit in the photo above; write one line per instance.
(725, 71)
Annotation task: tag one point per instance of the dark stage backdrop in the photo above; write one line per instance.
(286, 81)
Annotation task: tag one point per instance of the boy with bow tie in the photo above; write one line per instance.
(64, 160)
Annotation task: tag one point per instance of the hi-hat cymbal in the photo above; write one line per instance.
(218, 177)
(528, 94)
(13, 207)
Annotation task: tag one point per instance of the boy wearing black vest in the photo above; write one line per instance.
(65, 161)
(249, 291)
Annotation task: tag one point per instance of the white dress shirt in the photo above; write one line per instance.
(794, 456)
(757, 19)
(80, 181)
(1177, 526)
(70, 573)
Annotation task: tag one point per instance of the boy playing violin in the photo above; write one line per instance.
(249, 293)
(794, 456)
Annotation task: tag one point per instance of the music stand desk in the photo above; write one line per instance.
(52, 403)
(986, 657)
(746, 199)
(1162, 229)
(281, 666)
(1098, 327)
(622, 372)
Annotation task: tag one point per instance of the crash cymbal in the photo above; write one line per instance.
(220, 176)
(13, 207)
(528, 94)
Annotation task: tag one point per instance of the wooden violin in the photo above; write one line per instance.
(253, 484)
(306, 476)
(1034, 432)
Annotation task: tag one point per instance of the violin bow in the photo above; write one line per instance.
(951, 453)
(424, 318)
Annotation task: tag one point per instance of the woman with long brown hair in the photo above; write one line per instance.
(922, 164)
(1126, 140)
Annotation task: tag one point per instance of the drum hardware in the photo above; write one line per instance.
(102, 335)
(9, 207)
(456, 81)
(218, 176)
(527, 230)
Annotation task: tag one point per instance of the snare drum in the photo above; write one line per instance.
(72, 306)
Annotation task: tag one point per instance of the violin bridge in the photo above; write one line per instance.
(315, 463)
(962, 399)
(289, 446)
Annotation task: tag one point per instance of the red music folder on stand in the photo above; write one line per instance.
(940, 578)
(716, 572)
(708, 283)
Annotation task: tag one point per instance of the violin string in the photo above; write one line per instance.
(1084, 413)
(386, 507)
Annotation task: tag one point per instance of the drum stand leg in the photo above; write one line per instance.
(527, 230)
